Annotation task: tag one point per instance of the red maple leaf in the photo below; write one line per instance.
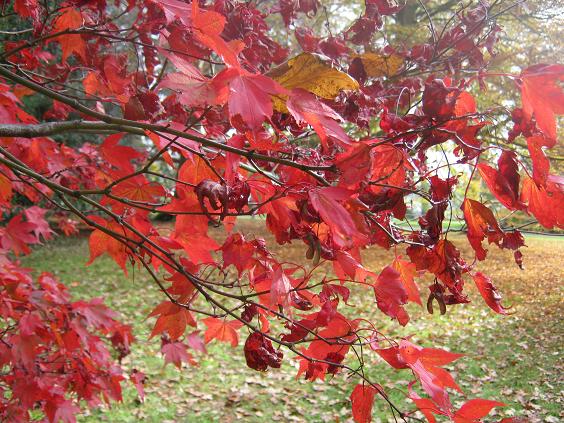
(500, 187)
(17, 235)
(362, 398)
(391, 294)
(489, 293)
(481, 224)
(542, 96)
(177, 353)
(305, 107)
(327, 202)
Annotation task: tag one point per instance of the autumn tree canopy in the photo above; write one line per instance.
(340, 134)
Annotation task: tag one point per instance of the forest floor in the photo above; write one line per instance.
(516, 359)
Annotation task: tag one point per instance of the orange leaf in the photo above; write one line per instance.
(407, 271)
(139, 189)
(101, 243)
(173, 320)
(70, 43)
(222, 330)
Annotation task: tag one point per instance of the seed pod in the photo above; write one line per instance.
(310, 251)
(317, 254)
(430, 303)
(442, 305)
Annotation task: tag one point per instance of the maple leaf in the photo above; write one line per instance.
(230, 133)
(29, 9)
(195, 341)
(541, 164)
(101, 242)
(407, 271)
(326, 201)
(280, 288)
(36, 216)
(250, 99)
(336, 326)
(238, 252)
(96, 313)
(208, 26)
(391, 294)
(29, 323)
(139, 189)
(354, 163)
(474, 409)
(64, 411)
(425, 362)
(195, 89)
(309, 72)
(6, 191)
(194, 171)
(118, 155)
(176, 9)
(465, 104)
(347, 266)
(500, 187)
(545, 203)
(177, 353)
(68, 226)
(222, 330)
(192, 233)
(489, 293)
(70, 19)
(542, 96)
(17, 234)
(172, 319)
(138, 378)
(508, 167)
(388, 166)
(377, 65)
(481, 224)
(305, 107)
(362, 399)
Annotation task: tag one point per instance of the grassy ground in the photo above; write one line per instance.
(516, 359)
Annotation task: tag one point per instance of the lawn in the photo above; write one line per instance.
(515, 359)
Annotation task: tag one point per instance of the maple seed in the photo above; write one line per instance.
(430, 303)
(314, 249)
(440, 300)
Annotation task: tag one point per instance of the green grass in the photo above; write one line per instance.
(515, 359)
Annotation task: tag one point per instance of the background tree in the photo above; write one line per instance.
(206, 111)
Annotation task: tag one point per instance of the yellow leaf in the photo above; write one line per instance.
(377, 65)
(309, 72)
